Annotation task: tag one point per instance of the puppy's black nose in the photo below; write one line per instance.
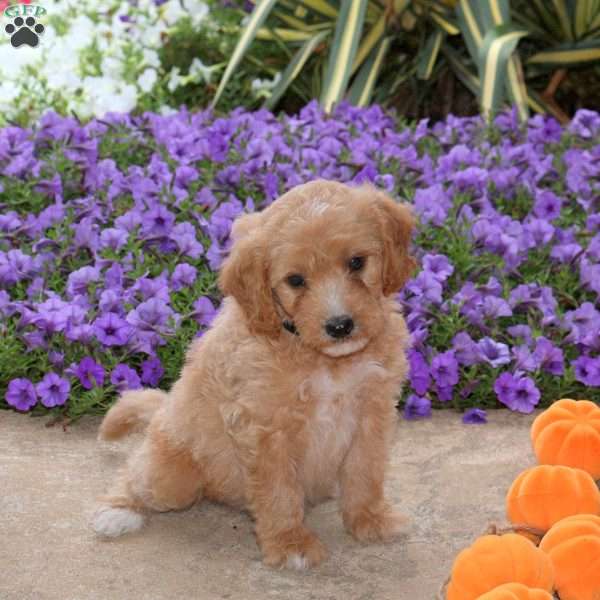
(339, 327)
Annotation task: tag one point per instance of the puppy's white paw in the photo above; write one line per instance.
(297, 562)
(113, 522)
(296, 548)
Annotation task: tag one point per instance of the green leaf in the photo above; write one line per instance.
(257, 18)
(428, 56)
(470, 27)
(548, 16)
(583, 16)
(294, 68)
(460, 69)
(568, 54)
(364, 83)
(369, 42)
(494, 12)
(341, 56)
(446, 24)
(562, 12)
(516, 87)
(280, 33)
(321, 7)
(497, 47)
(292, 21)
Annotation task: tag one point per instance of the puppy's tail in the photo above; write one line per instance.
(132, 412)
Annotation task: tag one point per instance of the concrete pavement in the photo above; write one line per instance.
(450, 479)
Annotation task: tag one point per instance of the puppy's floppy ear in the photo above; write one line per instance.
(397, 224)
(245, 276)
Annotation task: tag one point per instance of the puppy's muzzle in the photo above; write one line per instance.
(339, 327)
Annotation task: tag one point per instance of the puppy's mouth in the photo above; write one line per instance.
(344, 348)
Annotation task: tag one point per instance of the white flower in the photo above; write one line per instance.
(263, 87)
(151, 58)
(112, 66)
(175, 79)
(196, 9)
(147, 80)
(81, 32)
(199, 69)
(125, 100)
(95, 41)
(172, 11)
(150, 36)
(9, 91)
(61, 80)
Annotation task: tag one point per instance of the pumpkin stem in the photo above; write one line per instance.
(494, 529)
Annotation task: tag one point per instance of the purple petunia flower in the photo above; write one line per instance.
(111, 330)
(585, 123)
(587, 370)
(151, 315)
(152, 371)
(540, 231)
(432, 204)
(21, 394)
(53, 390)
(524, 359)
(438, 265)
(157, 221)
(78, 281)
(467, 352)
(444, 369)
(495, 353)
(113, 238)
(184, 275)
(581, 321)
(125, 378)
(90, 373)
(549, 357)
(474, 416)
(521, 333)
(419, 372)
(445, 393)
(204, 311)
(518, 393)
(547, 205)
(56, 359)
(493, 308)
(417, 407)
(426, 287)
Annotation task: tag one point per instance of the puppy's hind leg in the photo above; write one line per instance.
(160, 476)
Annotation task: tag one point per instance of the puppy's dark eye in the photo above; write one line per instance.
(356, 263)
(296, 280)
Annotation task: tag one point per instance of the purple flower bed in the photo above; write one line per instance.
(111, 233)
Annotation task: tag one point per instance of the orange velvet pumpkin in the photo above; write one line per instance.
(496, 559)
(568, 433)
(516, 591)
(542, 496)
(573, 545)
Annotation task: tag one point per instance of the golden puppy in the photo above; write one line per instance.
(290, 397)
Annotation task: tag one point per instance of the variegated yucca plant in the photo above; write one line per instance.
(354, 35)
(556, 33)
(477, 38)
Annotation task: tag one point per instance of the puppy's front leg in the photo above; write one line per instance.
(366, 514)
(276, 499)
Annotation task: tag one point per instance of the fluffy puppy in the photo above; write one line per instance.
(290, 397)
